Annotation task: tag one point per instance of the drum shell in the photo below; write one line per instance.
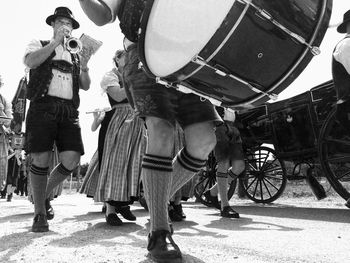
(250, 47)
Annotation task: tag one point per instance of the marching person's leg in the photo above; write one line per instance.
(38, 181)
(70, 147)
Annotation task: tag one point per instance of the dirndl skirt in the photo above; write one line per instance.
(91, 177)
(124, 146)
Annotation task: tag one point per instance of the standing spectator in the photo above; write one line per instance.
(5, 121)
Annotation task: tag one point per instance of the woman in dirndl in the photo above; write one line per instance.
(124, 146)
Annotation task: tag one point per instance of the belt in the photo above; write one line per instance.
(54, 99)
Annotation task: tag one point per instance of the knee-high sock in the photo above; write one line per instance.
(156, 179)
(38, 181)
(185, 167)
(222, 184)
(57, 176)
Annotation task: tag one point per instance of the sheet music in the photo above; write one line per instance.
(90, 46)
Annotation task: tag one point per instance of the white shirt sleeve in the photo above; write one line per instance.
(342, 53)
(113, 6)
(34, 45)
(108, 80)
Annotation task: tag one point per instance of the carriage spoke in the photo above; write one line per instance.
(261, 190)
(267, 189)
(267, 180)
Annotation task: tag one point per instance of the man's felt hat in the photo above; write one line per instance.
(346, 19)
(62, 12)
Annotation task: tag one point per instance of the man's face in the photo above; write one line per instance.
(62, 21)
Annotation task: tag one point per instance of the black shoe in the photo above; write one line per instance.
(212, 201)
(113, 220)
(178, 209)
(40, 223)
(173, 215)
(162, 251)
(228, 212)
(126, 213)
(50, 214)
(9, 197)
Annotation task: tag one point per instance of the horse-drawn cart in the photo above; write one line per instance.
(302, 130)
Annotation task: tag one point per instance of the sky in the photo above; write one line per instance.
(24, 20)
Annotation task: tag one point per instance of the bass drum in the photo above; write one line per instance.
(239, 53)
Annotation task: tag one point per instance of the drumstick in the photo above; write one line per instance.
(99, 110)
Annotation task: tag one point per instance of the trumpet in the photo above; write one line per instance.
(73, 45)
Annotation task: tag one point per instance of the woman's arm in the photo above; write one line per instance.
(110, 84)
(98, 118)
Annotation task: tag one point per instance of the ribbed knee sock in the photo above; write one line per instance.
(222, 184)
(185, 167)
(57, 176)
(38, 181)
(156, 179)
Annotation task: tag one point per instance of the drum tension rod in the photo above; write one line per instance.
(184, 89)
(264, 14)
(200, 61)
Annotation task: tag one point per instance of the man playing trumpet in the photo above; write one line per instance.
(56, 75)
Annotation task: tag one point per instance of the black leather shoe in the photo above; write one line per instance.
(228, 212)
(50, 214)
(212, 201)
(9, 197)
(113, 220)
(178, 209)
(162, 251)
(40, 223)
(126, 213)
(173, 215)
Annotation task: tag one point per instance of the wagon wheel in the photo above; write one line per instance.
(265, 178)
(207, 178)
(334, 154)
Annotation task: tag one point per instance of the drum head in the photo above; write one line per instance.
(178, 30)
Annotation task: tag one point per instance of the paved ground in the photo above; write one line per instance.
(291, 230)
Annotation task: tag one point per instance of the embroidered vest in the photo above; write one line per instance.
(40, 77)
(341, 79)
